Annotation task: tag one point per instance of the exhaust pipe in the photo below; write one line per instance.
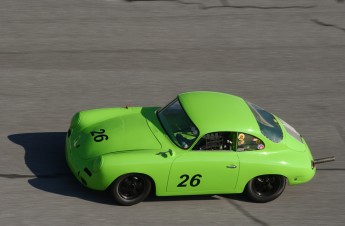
(323, 160)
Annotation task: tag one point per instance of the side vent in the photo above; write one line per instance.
(83, 180)
(88, 172)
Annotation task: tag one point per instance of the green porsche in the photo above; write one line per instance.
(200, 143)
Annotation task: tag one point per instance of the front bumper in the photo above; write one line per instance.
(82, 169)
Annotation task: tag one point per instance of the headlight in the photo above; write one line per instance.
(292, 131)
(97, 163)
(76, 142)
(75, 120)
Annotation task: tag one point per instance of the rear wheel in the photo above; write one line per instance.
(265, 188)
(130, 189)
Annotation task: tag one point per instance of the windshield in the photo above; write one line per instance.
(178, 125)
(268, 124)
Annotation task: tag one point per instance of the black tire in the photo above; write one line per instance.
(265, 188)
(130, 189)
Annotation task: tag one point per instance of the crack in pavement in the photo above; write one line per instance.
(327, 25)
(225, 4)
(17, 176)
(159, 50)
(96, 51)
(261, 7)
(245, 212)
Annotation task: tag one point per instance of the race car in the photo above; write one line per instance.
(200, 143)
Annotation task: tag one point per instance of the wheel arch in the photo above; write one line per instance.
(240, 188)
(268, 174)
(153, 183)
(266, 187)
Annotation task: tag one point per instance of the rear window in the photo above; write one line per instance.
(269, 126)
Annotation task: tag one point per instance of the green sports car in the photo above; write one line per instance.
(200, 143)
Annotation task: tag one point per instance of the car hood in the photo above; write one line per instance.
(124, 133)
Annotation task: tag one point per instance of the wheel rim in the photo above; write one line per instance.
(265, 186)
(131, 187)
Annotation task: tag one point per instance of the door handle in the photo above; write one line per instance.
(231, 166)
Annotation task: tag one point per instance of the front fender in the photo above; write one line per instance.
(146, 162)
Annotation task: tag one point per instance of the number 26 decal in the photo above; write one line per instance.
(99, 136)
(194, 181)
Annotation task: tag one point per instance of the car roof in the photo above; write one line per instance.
(214, 111)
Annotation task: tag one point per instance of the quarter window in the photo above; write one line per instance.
(246, 142)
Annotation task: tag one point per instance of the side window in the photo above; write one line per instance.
(216, 141)
(246, 142)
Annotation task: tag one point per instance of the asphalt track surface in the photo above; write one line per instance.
(60, 57)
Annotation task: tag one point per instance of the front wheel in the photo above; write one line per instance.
(130, 189)
(265, 188)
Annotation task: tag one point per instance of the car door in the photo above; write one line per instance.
(205, 170)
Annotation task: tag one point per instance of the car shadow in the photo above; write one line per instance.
(45, 157)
